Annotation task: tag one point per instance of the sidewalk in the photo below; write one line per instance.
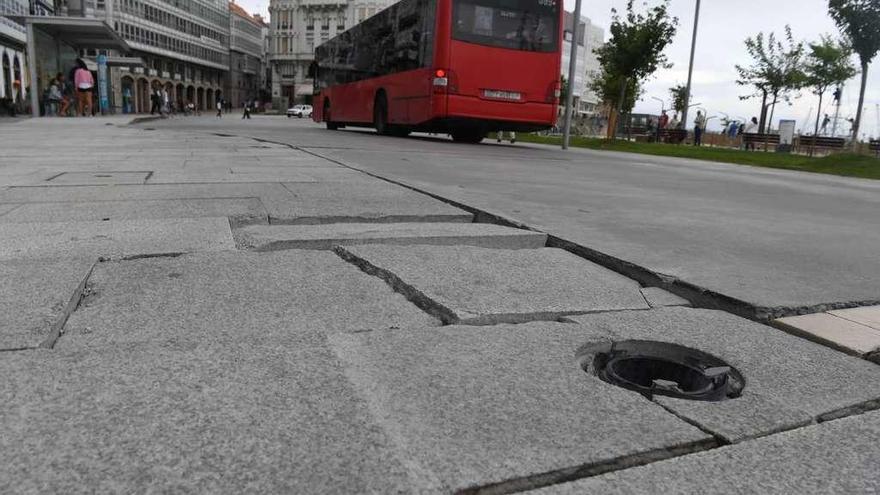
(187, 312)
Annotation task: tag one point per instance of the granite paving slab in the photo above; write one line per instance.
(365, 200)
(240, 211)
(235, 296)
(250, 416)
(480, 286)
(504, 407)
(788, 379)
(114, 239)
(868, 316)
(276, 237)
(836, 332)
(6, 208)
(834, 457)
(36, 297)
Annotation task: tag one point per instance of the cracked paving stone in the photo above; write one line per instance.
(505, 406)
(234, 296)
(36, 297)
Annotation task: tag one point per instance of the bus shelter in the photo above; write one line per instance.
(54, 43)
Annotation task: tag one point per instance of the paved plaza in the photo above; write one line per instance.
(219, 306)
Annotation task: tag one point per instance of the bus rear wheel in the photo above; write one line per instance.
(471, 136)
(326, 115)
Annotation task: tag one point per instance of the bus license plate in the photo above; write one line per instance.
(502, 95)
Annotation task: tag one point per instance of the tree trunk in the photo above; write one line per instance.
(772, 112)
(858, 122)
(763, 117)
(620, 106)
(816, 130)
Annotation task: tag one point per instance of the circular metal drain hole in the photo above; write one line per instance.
(661, 368)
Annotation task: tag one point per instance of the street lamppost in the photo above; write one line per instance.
(572, 71)
(687, 97)
(662, 103)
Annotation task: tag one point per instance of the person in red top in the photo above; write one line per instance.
(662, 122)
(84, 83)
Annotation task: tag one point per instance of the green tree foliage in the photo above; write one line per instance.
(828, 64)
(859, 21)
(679, 97)
(634, 52)
(775, 72)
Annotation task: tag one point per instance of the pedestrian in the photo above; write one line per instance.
(675, 123)
(825, 122)
(750, 128)
(55, 95)
(247, 110)
(155, 97)
(68, 98)
(219, 109)
(511, 136)
(662, 123)
(84, 83)
(699, 128)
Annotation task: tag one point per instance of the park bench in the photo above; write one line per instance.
(820, 142)
(875, 146)
(672, 136)
(764, 139)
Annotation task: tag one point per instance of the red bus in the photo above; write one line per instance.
(462, 67)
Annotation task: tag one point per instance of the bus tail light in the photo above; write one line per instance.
(444, 81)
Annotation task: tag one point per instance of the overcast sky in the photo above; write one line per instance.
(724, 25)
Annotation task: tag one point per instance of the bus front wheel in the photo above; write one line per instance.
(468, 136)
(326, 115)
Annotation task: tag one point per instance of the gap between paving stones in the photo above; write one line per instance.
(76, 298)
(566, 475)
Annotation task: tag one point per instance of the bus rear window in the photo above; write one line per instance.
(530, 25)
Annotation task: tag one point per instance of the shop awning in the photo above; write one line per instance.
(92, 64)
(78, 32)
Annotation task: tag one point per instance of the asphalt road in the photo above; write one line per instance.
(781, 241)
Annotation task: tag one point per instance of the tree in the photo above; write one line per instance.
(607, 89)
(679, 98)
(635, 50)
(859, 21)
(776, 71)
(828, 65)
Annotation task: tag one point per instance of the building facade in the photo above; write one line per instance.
(244, 81)
(12, 51)
(589, 38)
(180, 46)
(296, 28)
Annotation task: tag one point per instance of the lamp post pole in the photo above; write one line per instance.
(572, 71)
(687, 97)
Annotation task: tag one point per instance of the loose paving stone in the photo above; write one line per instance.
(834, 457)
(479, 286)
(659, 298)
(504, 406)
(253, 416)
(100, 177)
(369, 200)
(835, 331)
(114, 239)
(240, 211)
(36, 298)
(786, 376)
(235, 296)
(276, 237)
(868, 316)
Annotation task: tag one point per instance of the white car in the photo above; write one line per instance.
(299, 111)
